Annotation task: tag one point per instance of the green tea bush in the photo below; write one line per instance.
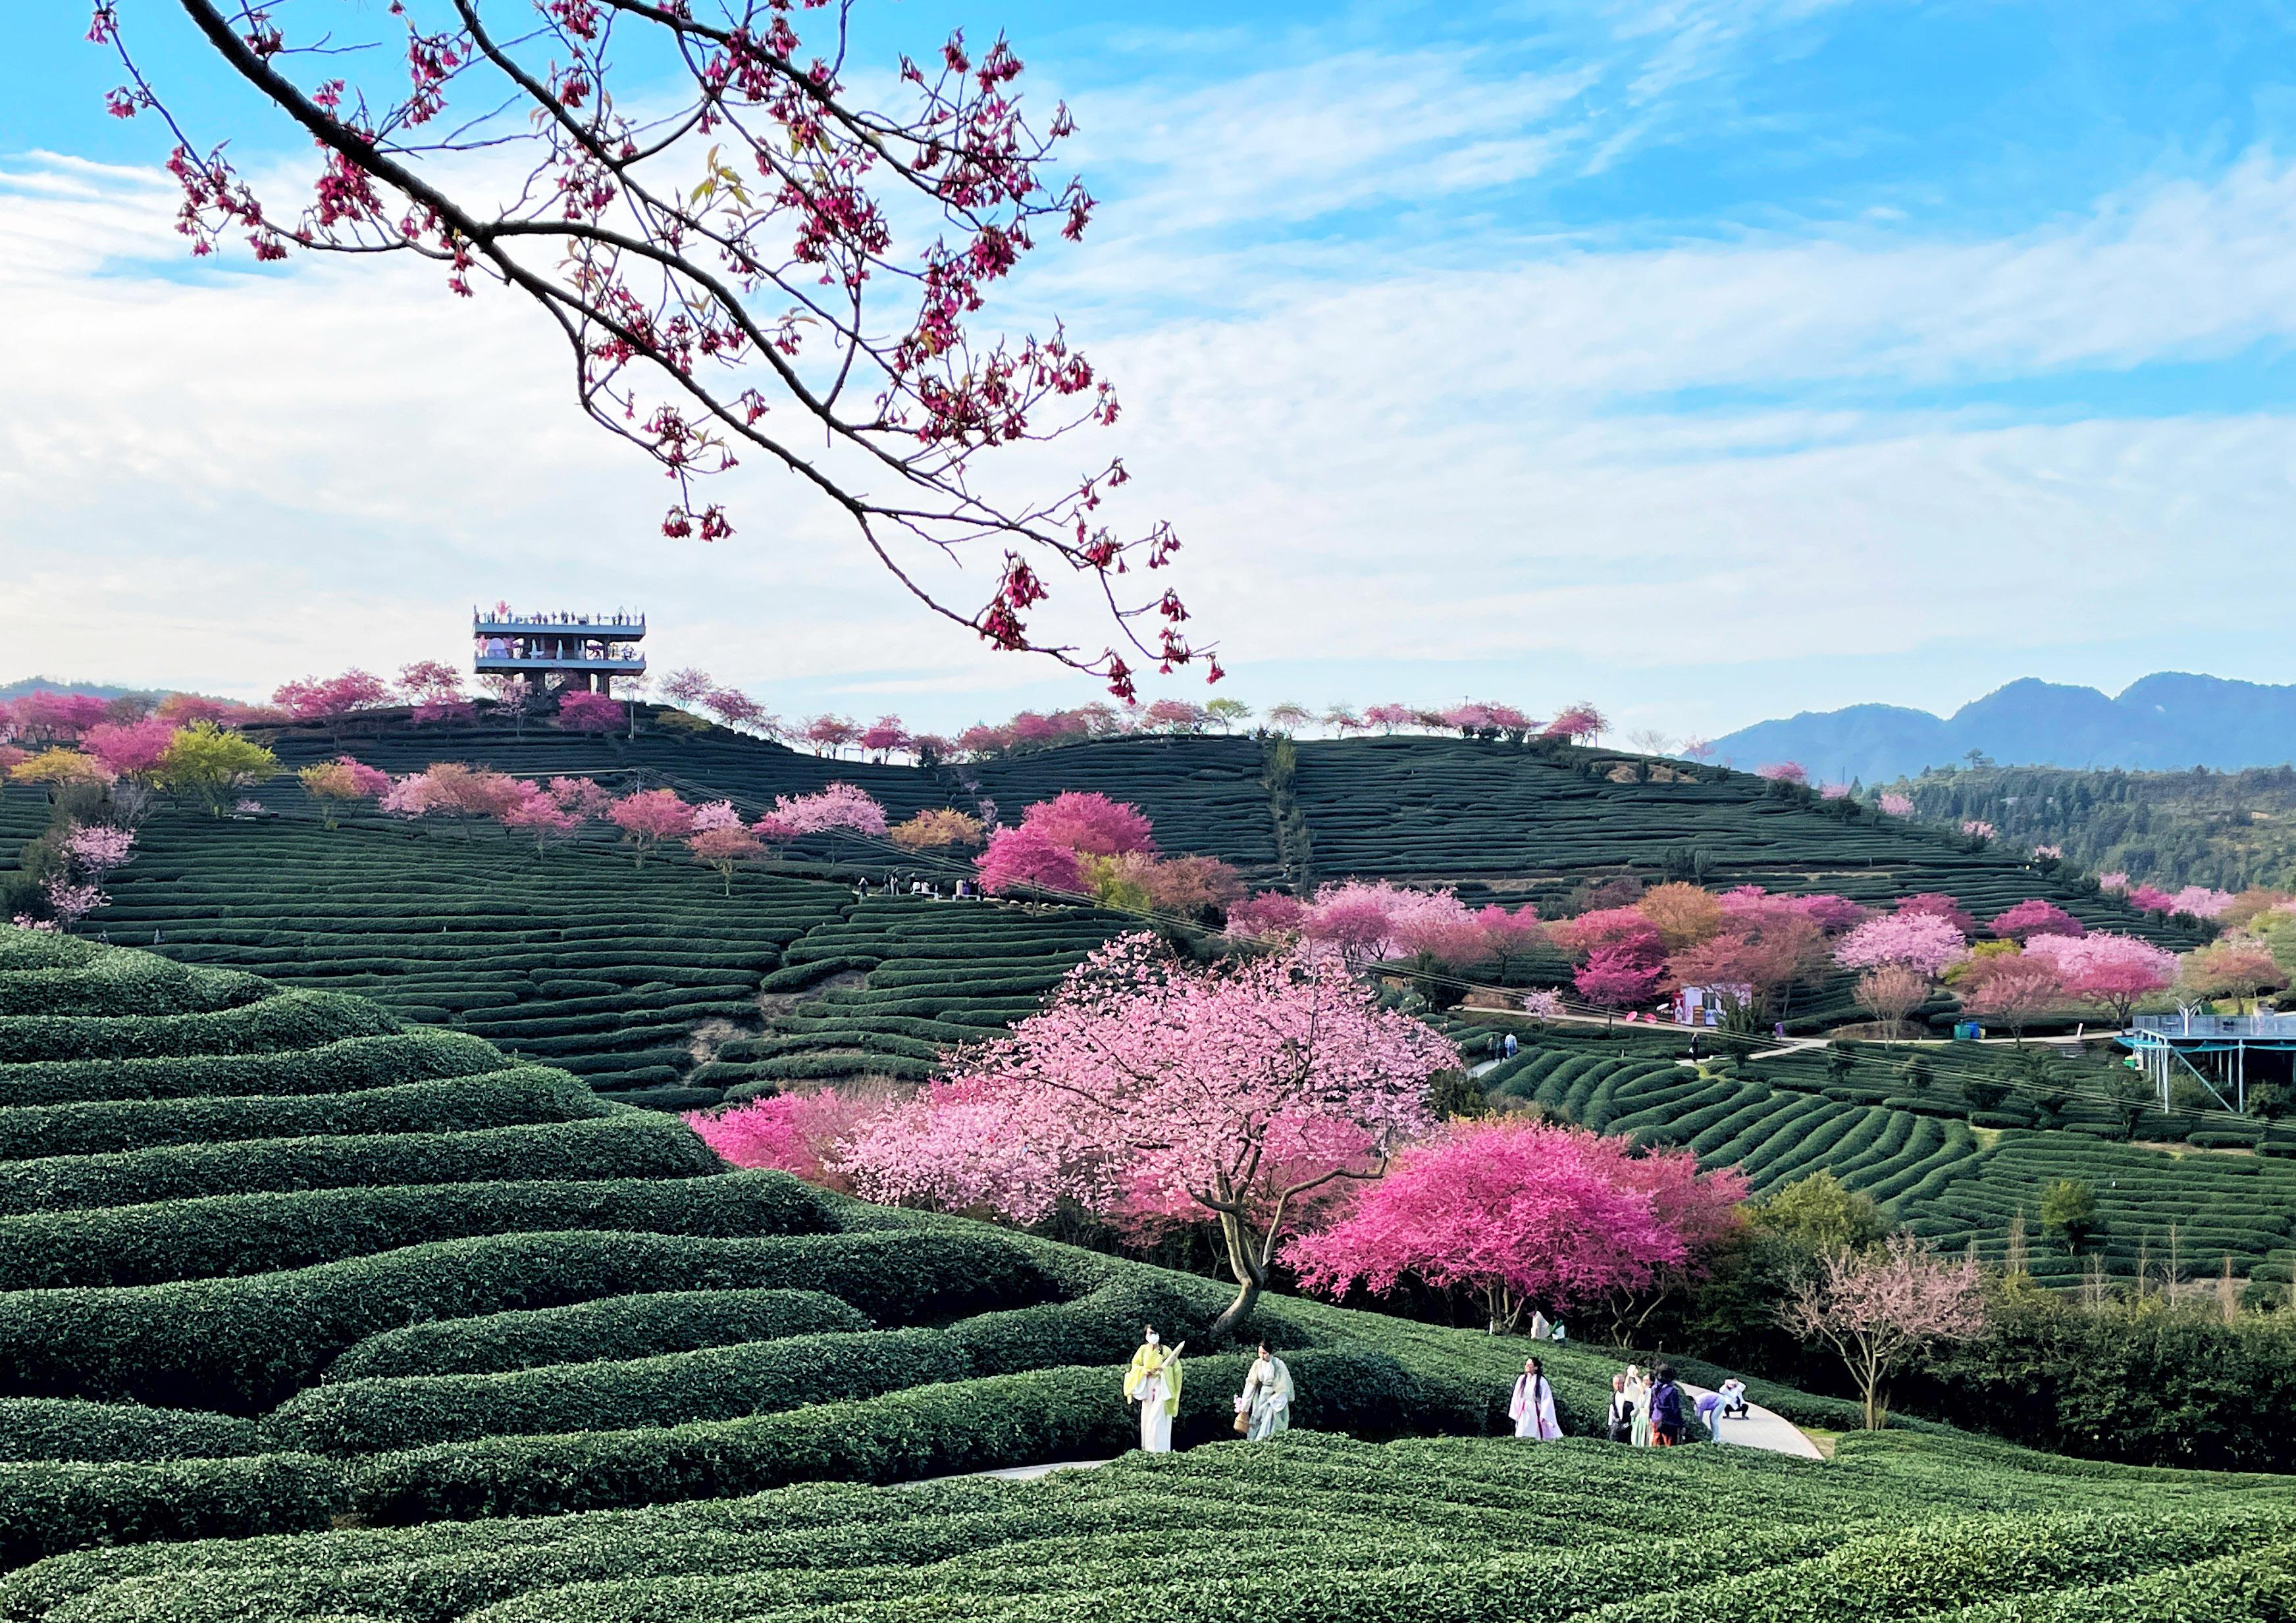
(334, 1068)
(68, 1429)
(618, 1327)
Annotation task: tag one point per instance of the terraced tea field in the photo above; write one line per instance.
(1920, 1159)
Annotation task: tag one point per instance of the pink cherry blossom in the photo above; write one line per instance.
(1027, 858)
(2036, 917)
(1896, 805)
(1783, 772)
(1924, 942)
(129, 749)
(837, 806)
(2114, 972)
(586, 712)
(1152, 1087)
(1091, 824)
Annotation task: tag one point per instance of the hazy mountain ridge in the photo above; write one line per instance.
(2167, 722)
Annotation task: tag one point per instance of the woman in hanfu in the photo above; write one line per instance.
(1153, 1382)
(1266, 1401)
(1533, 1407)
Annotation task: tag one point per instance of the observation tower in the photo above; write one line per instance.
(569, 651)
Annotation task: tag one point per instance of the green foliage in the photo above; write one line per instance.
(2068, 1211)
(213, 765)
(1820, 1215)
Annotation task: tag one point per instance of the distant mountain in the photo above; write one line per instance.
(2167, 722)
(34, 685)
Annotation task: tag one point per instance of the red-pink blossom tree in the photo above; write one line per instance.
(2014, 989)
(1783, 772)
(2035, 917)
(2112, 972)
(129, 749)
(1508, 936)
(883, 737)
(1877, 1308)
(1943, 906)
(836, 809)
(1525, 1214)
(1577, 724)
(829, 734)
(44, 716)
(330, 698)
(584, 796)
(723, 265)
(539, 814)
(1092, 825)
(1619, 976)
(797, 1133)
(1766, 944)
(1267, 914)
(580, 712)
(1024, 858)
(648, 818)
(1151, 1089)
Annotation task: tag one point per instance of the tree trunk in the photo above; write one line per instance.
(1250, 1276)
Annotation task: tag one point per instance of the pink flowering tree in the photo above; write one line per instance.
(751, 259)
(1618, 976)
(434, 688)
(1833, 915)
(539, 812)
(837, 809)
(2112, 971)
(1024, 858)
(1155, 1091)
(337, 783)
(1385, 717)
(1766, 944)
(2113, 883)
(2151, 899)
(1924, 942)
(129, 749)
(797, 1132)
(1977, 828)
(649, 817)
(1895, 805)
(723, 848)
(2035, 917)
(1783, 772)
(883, 737)
(1943, 906)
(330, 698)
(2198, 900)
(1092, 825)
(2238, 967)
(1877, 1308)
(581, 711)
(1577, 724)
(94, 849)
(829, 734)
(1266, 916)
(1509, 936)
(2014, 989)
(1524, 1214)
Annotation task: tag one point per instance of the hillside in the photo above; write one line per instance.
(276, 1263)
(2226, 830)
(2167, 722)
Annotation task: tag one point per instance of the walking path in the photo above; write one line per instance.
(1761, 1429)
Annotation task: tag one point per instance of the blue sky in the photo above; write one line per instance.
(1711, 360)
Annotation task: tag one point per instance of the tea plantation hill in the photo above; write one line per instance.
(1956, 1171)
(305, 1313)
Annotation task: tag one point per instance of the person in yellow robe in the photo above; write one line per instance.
(1153, 1382)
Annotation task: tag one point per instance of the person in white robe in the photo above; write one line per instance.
(1266, 1400)
(1153, 1382)
(1532, 1407)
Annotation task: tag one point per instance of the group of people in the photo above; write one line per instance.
(1646, 1409)
(1262, 1409)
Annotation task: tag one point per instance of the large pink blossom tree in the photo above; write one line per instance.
(1149, 1088)
(2112, 971)
(1922, 942)
(1092, 825)
(2034, 916)
(1023, 858)
(648, 818)
(1525, 1214)
(1877, 1308)
(747, 255)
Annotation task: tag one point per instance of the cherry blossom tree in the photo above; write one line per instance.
(1619, 976)
(797, 1133)
(1092, 825)
(94, 849)
(1508, 936)
(1834, 792)
(129, 749)
(1176, 716)
(435, 690)
(687, 686)
(2115, 972)
(43, 716)
(724, 848)
(1943, 906)
(2014, 989)
(330, 698)
(881, 737)
(1833, 915)
(584, 797)
(715, 815)
(829, 734)
(1289, 717)
(1895, 805)
(1768, 944)
(1523, 1213)
(1387, 717)
(2151, 898)
(723, 266)
(1027, 858)
(1266, 915)
(2237, 967)
(2034, 916)
(338, 782)
(2111, 883)
(1577, 724)
(1924, 942)
(537, 813)
(1154, 1089)
(1783, 772)
(581, 711)
(648, 818)
(1877, 1308)
(2198, 900)
(837, 809)
(1977, 828)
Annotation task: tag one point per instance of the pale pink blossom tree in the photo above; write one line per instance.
(836, 809)
(2014, 989)
(1266, 915)
(715, 815)
(1977, 828)
(95, 848)
(725, 848)
(1877, 1308)
(1508, 936)
(2113, 881)
(2115, 972)
(1580, 723)
(1525, 1214)
(648, 818)
(1154, 1089)
(540, 814)
(1783, 772)
(1895, 805)
(1924, 942)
